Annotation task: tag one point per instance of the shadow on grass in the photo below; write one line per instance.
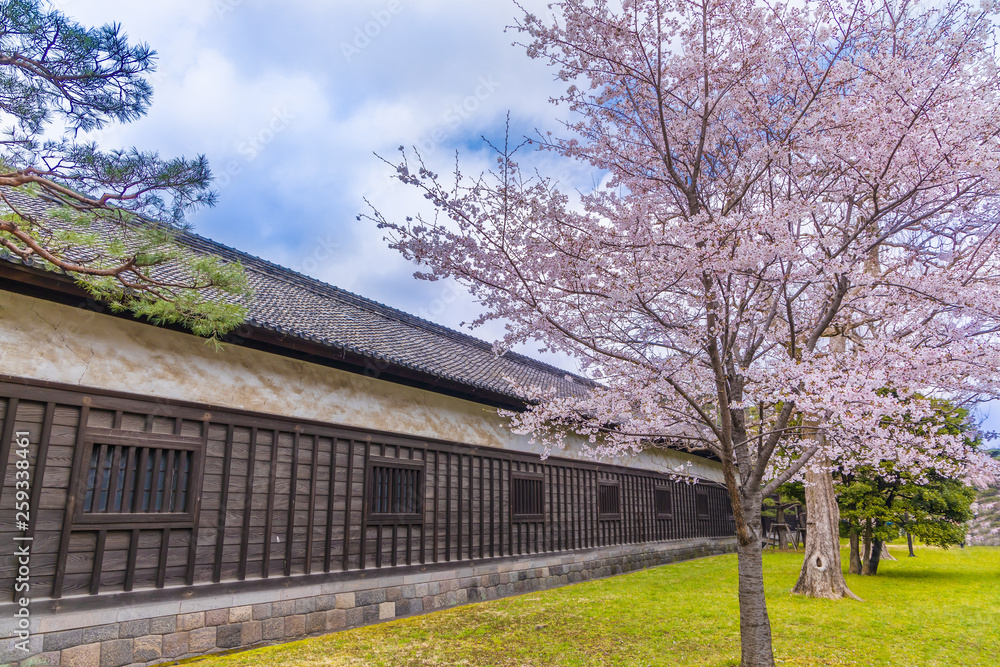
(958, 575)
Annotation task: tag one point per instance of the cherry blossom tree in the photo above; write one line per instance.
(797, 214)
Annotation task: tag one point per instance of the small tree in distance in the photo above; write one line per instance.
(880, 501)
(755, 156)
(110, 218)
(879, 508)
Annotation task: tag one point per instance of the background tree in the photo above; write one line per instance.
(754, 156)
(938, 513)
(880, 508)
(110, 218)
(883, 500)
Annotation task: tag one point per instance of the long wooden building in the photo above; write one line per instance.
(338, 463)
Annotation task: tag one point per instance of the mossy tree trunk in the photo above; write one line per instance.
(821, 575)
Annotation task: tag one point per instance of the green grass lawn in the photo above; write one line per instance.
(941, 608)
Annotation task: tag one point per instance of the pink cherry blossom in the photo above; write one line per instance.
(798, 215)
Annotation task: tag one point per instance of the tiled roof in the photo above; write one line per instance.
(293, 304)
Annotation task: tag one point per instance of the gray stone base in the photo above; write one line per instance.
(159, 632)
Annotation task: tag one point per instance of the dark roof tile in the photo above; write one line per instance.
(295, 304)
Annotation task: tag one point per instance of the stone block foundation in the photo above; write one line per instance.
(130, 630)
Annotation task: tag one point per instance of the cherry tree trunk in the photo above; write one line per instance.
(755, 627)
(821, 576)
(885, 552)
(909, 544)
(855, 565)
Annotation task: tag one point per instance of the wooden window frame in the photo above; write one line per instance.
(670, 498)
(606, 516)
(96, 437)
(407, 518)
(518, 517)
(708, 510)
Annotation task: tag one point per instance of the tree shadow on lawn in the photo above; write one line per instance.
(965, 576)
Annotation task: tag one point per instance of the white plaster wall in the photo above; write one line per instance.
(48, 341)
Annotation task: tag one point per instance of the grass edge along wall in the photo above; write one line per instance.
(132, 495)
(336, 447)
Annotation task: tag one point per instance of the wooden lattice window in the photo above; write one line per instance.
(527, 499)
(664, 503)
(395, 491)
(701, 505)
(609, 497)
(134, 476)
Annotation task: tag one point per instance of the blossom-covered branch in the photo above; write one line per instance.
(796, 215)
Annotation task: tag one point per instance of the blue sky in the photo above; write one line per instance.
(290, 105)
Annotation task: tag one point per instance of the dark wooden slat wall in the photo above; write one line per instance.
(276, 498)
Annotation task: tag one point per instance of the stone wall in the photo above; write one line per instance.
(159, 632)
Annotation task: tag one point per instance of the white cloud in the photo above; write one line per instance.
(289, 119)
